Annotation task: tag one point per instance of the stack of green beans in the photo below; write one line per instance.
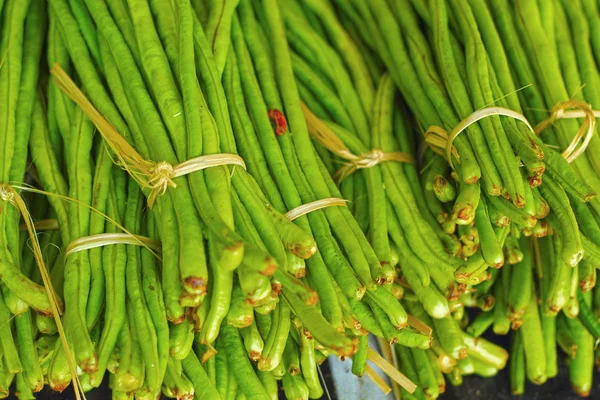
(534, 221)
(239, 297)
(414, 222)
(164, 95)
(502, 235)
(23, 26)
(354, 285)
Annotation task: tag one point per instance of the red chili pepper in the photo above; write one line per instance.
(278, 122)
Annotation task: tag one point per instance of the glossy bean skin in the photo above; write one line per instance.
(533, 344)
(581, 367)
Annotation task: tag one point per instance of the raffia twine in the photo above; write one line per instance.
(9, 195)
(441, 142)
(325, 136)
(156, 176)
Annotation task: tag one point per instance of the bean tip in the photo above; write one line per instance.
(534, 180)
(276, 288)
(312, 298)
(59, 386)
(586, 285)
(269, 270)
(519, 201)
(495, 190)
(515, 324)
(300, 273)
(195, 284)
(471, 179)
(488, 303)
(465, 215)
(90, 364)
(539, 380)
(581, 393)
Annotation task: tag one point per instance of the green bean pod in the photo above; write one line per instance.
(32, 372)
(516, 366)
(482, 369)
(558, 286)
(256, 287)
(291, 357)
(571, 309)
(549, 331)
(308, 363)
(425, 371)
(390, 306)
(249, 384)
(270, 384)
(176, 384)
(142, 314)
(587, 317)
(12, 362)
(406, 363)
(253, 341)
(481, 323)
(240, 313)
(533, 343)
(114, 261)
(295, 387)
(581, 366)
(365, 317)
(194, 370)
(564, 337)
(502, 323)
(319, 328)
(58, 374)
(516, 215)
(490, 248)
(572, 250)
(23, 391)
(521, 280)
(451, 340)
(359, 360)
(181, 337)
(276, 338)
(485, 351)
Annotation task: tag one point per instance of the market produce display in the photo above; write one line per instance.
(208, 198)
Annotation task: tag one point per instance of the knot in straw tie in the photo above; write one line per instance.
(327, 138)
(557, 112)
(162, 177)
(369, 159)
(7, 194)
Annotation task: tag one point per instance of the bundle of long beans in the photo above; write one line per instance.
(225, 304)
(533, 218)
(188, 166)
